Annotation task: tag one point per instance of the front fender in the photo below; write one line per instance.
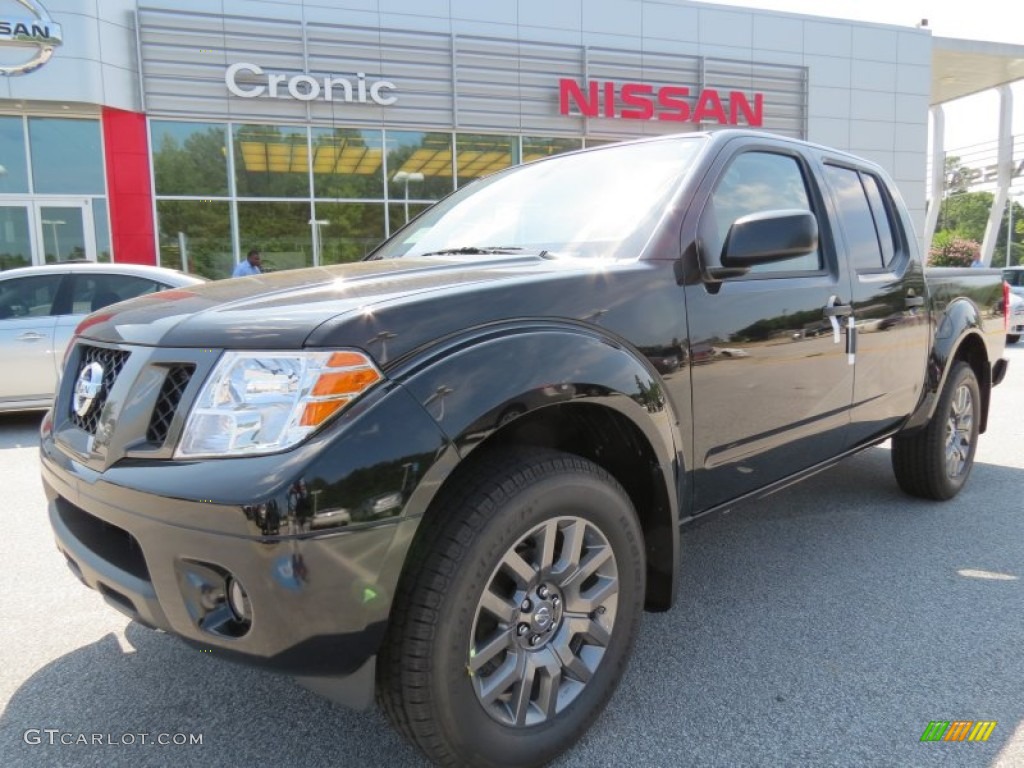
(487, 378)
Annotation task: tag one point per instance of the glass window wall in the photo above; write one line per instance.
(481, 154)
(281, 232)
(190, 158)
(13, 168)
(351, 232)
(348, 163)
(271, 161)
(195, 236)
(419, 165)
(67, 156)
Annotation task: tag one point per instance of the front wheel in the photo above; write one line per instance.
(517, 614)
(934, 462)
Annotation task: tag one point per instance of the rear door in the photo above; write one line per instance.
(771, 384)
(27, 322)
(888, 295)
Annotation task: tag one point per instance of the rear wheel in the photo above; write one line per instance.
(517, 614)
(934, 462)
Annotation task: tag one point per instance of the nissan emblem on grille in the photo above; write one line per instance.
(90, 380)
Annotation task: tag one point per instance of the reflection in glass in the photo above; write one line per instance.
(422, 163)
(352, 231)
(102, 226)
(753, 183)
(63, 233)
(271, 161)
(13, 170)
(348, 163)
(399, 214)
(482, 154)
(15, 245)
(535, 148)
(281, 231)
(195, 236)
(189, 158)
(67, 156)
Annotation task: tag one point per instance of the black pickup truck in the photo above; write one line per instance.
(453, 474)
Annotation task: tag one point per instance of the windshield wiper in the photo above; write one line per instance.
(473, 250)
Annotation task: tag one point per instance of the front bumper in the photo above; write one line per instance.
(309, 596)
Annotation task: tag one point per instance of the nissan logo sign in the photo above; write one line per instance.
(36, 36)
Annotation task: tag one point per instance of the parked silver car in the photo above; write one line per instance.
(40, 308)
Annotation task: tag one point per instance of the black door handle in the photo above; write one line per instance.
(913, 301)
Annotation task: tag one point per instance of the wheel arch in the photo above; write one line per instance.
(585, 395)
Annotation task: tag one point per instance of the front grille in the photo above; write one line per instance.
(177, 379)
(114, 545)
(113, 361)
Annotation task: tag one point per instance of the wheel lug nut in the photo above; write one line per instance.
(527, 605)
(522, 629)
(555, 601)
(543, 592)
(534, 639)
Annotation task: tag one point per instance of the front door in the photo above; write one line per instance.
(771, 386)
(45, 231)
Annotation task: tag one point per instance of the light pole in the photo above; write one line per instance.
(56, 238)
(406, 177)
(1009, 229)
(316, 224)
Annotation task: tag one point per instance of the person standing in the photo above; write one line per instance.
(250, 266)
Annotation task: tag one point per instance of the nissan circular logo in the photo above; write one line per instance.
(22, 36)
(90, 380)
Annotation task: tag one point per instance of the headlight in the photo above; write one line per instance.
(263, 402)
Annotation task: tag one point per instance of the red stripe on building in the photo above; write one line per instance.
(129, 192)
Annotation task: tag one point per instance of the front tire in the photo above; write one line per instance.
(517, 612)
(935, 462)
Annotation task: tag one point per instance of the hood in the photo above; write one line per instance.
(281, 310)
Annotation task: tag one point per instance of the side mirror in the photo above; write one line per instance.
(761, 238)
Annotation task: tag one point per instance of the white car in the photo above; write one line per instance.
(1016, 325)
(40, 308)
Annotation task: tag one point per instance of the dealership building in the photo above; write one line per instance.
(185, 132)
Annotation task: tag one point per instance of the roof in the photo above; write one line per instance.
(962, 67)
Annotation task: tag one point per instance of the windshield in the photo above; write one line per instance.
(604, 204)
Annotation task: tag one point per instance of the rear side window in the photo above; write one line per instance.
(865, 216)
(94, 291)
(753, 183)
(28, 296)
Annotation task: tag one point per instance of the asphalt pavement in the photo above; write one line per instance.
(826, 625)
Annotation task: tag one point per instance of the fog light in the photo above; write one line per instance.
(238, 599)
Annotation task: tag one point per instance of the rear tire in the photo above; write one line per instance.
(1012, 338)
(935, 462)
(517, 612)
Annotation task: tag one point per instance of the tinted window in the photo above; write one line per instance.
(855, 214)
(883, 221)
(95, 291)
(28, 296)
(753, 183)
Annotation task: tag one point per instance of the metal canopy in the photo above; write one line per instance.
(963, 67)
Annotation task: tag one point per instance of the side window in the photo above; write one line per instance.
(756, 182)
(28, 296)
(865, 219)
(91, 292)
(883, 219)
